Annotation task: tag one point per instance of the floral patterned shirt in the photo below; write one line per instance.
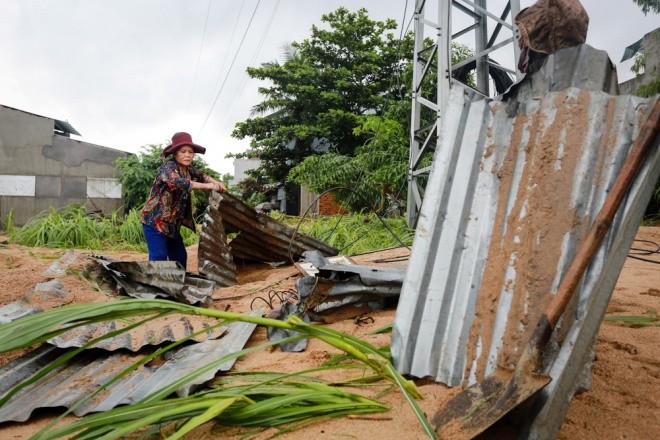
(169, 204)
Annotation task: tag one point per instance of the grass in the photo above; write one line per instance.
(650, 318)
(264, 400)
(353, 233)
(74, 227)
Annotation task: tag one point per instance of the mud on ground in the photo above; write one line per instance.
(622, 402)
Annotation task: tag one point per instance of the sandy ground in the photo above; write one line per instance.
(621, 404)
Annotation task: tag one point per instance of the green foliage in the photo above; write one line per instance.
(75, 227)
(650, 318)
(137, 173)
(354, 233)
(650, 89)
(253, 400)
(379, 166)
(648, 5)
(318, 95)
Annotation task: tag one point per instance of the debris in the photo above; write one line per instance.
(260, 238)
(153, 279)
(59, 267)
(336, 285)
(51, 293)
(86, 373)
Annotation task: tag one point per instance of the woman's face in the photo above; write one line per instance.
(184, 155)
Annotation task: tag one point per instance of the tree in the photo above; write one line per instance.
(648, 5)
(379, 167)
(137, 173)
(319, 94)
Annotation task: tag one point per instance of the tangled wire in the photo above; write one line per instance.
(282, 296)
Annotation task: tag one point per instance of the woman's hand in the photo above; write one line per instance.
(209, 186)
(217, 186)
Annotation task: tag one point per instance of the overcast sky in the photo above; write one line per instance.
(127, 73)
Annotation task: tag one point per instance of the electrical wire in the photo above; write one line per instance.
(199, 56)
(636, 252)
(239, 91)
(342, 188)
(231, 42)
(360, 176)
(230, 67)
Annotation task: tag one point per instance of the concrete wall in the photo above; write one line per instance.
(242, 166)
(40, 169)
(651, 52)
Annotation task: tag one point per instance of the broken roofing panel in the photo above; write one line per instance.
(154, 332)
(50, 292)
(260, 238)
(159, 279)
(214, 254)
(514, 188)
(83, 375)
(337, 285)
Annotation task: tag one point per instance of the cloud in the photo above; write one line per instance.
(122, 71)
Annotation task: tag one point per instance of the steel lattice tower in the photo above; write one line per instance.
(433, 62)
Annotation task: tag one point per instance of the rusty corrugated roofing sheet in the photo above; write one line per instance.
(67, 385)
(260, 238)
(512, 191)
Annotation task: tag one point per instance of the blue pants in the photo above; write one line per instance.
(164, 248)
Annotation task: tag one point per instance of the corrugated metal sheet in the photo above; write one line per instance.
(260, 238)
(31, 303)
(82, 376)
(154, 332)
(159, 279)
(513, 189)
(214, 254)
(336, 285)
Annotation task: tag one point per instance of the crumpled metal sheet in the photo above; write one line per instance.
(86, 373)
(213, 253)
(154, 332)
(164, 279)
(528, 175)
(51, 291)
(59, 267)
(337, 285)
(260, 238)
(277, 334)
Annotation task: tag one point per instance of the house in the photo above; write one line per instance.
(42, 167)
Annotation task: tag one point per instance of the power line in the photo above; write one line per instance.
(199, 56)
(230, 67)
(239, 91)
(231, 41)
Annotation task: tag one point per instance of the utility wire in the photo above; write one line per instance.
(199, 56)
(360, 176)
(230, 67)
(231, 42)
(239, 91)
(636, 252)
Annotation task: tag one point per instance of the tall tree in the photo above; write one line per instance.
(377, 172)
(317, 97)
(648, 5)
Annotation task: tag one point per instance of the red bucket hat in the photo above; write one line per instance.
(179, 140)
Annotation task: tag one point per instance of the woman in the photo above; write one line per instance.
(169, 204)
